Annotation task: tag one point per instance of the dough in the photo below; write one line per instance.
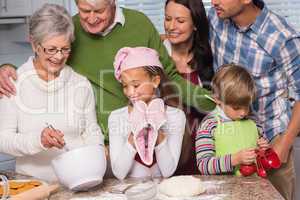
(181, 186)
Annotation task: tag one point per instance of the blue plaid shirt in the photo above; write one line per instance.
(270, 50)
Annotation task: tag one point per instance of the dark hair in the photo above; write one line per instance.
(202, 59)
(166, 88)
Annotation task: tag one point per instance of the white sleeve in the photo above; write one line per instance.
(12, 141)
(168, 152)
(91, 132)
(121, 152)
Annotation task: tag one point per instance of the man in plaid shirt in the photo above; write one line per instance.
(245, 32)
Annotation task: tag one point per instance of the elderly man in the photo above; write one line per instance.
(248, 33)
(101, 29)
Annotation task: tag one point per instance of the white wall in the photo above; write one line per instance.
(14, 46)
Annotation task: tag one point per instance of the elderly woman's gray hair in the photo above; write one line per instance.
(49, 21)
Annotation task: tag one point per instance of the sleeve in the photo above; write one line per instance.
(207, 162)
(191, 95)
(90, 131)
(121, 152)
(168, 152)
(12, 141)
(289, 59)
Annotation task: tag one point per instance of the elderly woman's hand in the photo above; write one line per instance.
(52, 138)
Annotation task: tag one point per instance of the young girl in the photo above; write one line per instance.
(145, 136)
(227, 137)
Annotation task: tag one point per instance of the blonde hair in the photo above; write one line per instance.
(233, 85)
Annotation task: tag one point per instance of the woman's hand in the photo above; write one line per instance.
(7, 88)
(52, 138)
(245, 156)
(263, 144)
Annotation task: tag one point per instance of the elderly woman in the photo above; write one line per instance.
(54, 106)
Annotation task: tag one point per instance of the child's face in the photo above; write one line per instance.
(139, 85)
(235, 112)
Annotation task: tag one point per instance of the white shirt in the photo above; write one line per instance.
(122, 154)
(67, 103)
(119, 18)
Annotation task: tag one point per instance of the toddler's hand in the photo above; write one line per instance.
(245, 156)
(263, 144)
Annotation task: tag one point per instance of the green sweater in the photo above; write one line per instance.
(93, 57)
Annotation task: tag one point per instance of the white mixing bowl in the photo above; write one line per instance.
(81, 168)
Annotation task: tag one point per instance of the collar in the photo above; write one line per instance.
(47, 86)
(118, 19)
(259, 21)
(219, 111)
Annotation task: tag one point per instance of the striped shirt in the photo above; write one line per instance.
(207, 161)
(270, 50)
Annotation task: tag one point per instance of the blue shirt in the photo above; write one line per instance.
(270, 50)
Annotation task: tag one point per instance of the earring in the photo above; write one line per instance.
(195, 29)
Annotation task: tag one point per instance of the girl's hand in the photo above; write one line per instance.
(160, 138)
(263, 144)
(130, 140)
(52, 138)
(245, 156)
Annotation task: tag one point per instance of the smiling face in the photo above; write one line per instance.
(139, 85)
(229, 8)
(178, 23)
(96, 18)
(52, 55)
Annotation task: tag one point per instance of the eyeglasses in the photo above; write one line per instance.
(52, 51)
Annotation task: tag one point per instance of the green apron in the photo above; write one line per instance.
(231, 137)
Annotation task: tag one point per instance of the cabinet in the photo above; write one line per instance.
(36, 4)
(15, 8)
(17, 11)
(7, 163)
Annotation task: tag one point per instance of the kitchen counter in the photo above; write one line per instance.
(217, 187)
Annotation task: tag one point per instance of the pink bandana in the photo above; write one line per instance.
(128, 58)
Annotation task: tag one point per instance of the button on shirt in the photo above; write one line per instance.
(270, 50)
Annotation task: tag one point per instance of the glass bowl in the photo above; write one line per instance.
(142, 191)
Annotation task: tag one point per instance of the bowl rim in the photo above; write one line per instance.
(64, 154)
